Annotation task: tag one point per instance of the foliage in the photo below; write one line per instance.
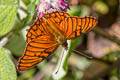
(8, 9)
(7, 68)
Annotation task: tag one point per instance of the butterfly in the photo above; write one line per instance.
(50, 31)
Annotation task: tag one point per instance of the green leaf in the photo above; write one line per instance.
(27, 75)
(8, 10)
(16, 44)
(26, 2)
(74, 11)
(101, 7)
(7, 68)
(31, 11)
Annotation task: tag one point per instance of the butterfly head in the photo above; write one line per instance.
(65, 45)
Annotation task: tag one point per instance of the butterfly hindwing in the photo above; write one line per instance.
(74, 26)
(36, 51)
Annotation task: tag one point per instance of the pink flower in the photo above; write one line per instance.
(49, 6)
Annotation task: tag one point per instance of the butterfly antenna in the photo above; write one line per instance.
(60, 62)
(89, 57)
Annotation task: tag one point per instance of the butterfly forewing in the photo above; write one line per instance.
(72, 26)
(36, 30)
(57, 17)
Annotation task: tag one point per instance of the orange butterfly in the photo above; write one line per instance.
(47, 33)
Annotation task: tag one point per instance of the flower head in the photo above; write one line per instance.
(49, 6)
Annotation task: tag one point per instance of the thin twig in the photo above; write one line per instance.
(102, 33)
(93, 58)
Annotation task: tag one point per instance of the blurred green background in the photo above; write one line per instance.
(102, 43)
